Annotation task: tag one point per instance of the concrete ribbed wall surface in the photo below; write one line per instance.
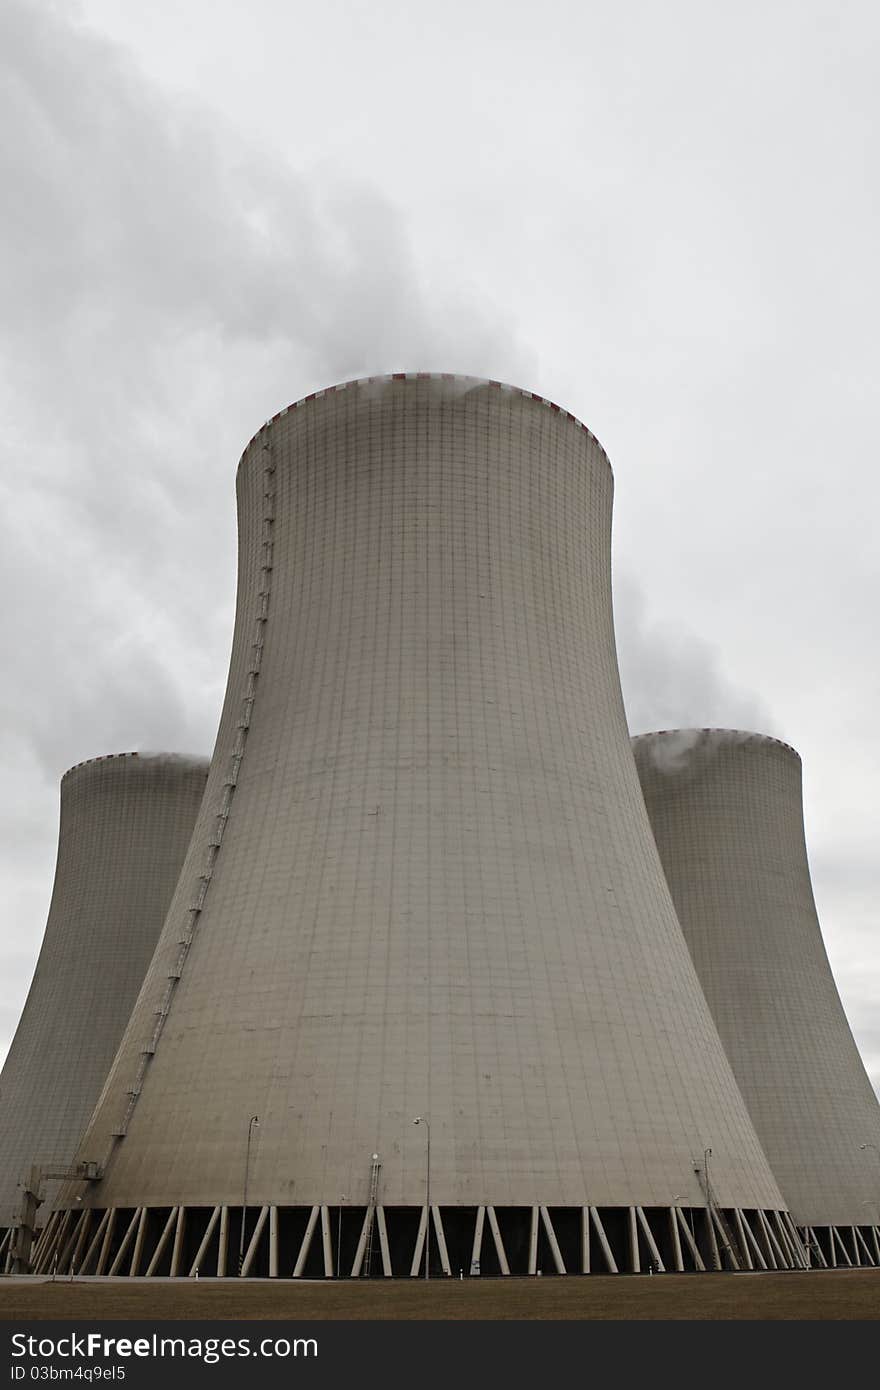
(429, 883)
(126, 821)
(727, 816)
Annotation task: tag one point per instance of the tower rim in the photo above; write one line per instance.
(192, 759)
(705, 729)
(386, 378)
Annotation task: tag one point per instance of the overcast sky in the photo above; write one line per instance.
(663, 216)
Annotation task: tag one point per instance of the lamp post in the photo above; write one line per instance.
(866, 1147)
(254, 1120)
(339, 1239)
(677, 1198)
(422, 1120)
(707, 1154)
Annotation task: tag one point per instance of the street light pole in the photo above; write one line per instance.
(422, 1120)
(339, 1240)
(678, 1199)
(707, 1154)
(865, 1148)
(254, 1120)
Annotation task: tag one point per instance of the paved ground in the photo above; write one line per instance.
(837, 1294)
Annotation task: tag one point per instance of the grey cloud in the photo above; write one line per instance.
(167, 288)
(850, 867)
(673, 679)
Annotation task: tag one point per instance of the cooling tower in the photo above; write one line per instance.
(422, 956)
(727, 816)
(126, 821)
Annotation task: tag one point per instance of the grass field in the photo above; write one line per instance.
(837, 1294)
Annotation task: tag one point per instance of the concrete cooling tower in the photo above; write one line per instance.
(126, 822)
(422, 956)
(727, 816)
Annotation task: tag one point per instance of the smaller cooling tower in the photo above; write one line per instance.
(727, 816)
(126, 822)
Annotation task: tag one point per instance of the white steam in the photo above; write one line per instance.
(675, 750)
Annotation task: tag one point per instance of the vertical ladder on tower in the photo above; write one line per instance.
(371, 1212)
(713, 1210)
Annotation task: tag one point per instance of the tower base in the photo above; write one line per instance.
(350, 1241)
(841, 1247)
